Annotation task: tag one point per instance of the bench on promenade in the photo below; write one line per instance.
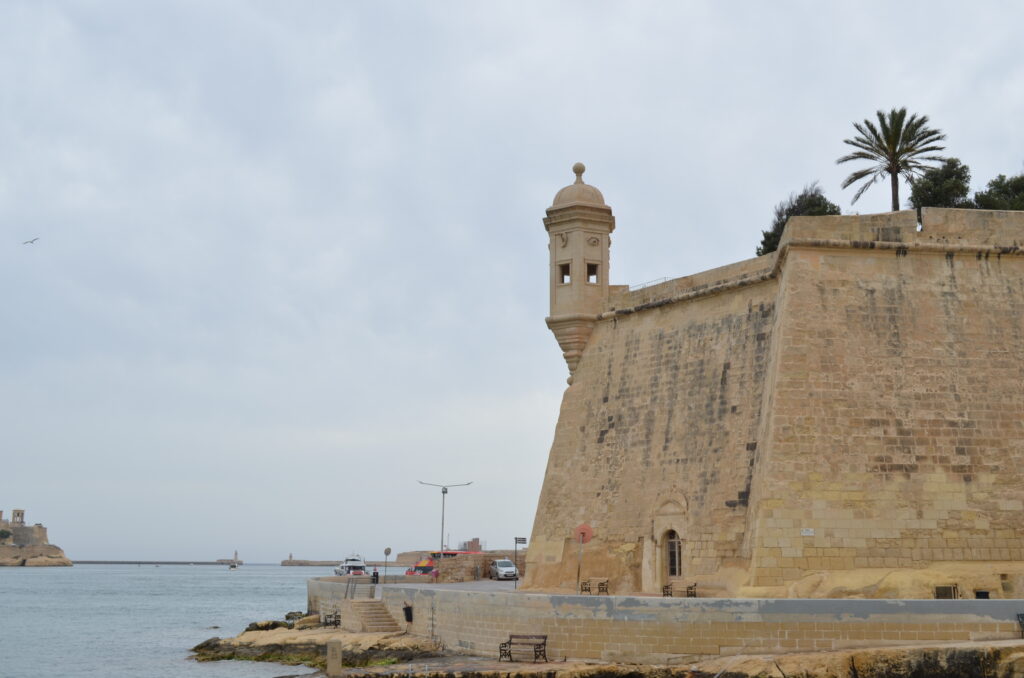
(587, 586)
(668, 590)
(538, 643)
(332, 619)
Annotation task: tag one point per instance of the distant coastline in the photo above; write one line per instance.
(153, 562)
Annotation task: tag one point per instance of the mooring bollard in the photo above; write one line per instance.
(334, 656)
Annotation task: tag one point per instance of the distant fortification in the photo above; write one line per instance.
(22, 544)
(843, 417)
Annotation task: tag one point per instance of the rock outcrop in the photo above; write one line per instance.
(309, 647)
(43, 555)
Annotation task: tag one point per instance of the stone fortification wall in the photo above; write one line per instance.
(895, 440)
(473, 566)
(658, 630)
(328, 594)
(840, 418)
(29, 535)
(658, 432)
(410, 557)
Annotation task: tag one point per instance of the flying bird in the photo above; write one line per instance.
(30, 242)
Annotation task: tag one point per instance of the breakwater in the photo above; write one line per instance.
(151, 562)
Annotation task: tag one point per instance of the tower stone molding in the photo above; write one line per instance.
(579, 226)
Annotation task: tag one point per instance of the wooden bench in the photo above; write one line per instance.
(668, 590)
(332, 619)
(587, 586)
(538, 643)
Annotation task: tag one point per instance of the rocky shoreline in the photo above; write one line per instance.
(305, 642)
(42, 555)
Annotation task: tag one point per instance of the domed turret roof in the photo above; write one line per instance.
(578, 192)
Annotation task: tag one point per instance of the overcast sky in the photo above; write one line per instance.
(291, 258)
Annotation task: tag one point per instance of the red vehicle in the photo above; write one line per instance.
(425, 566)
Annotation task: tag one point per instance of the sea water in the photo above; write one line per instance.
(130, 620)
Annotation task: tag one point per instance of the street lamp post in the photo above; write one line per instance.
(444, 492)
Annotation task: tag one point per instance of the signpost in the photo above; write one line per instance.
(515, 559)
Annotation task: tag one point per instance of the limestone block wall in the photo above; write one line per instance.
(896, 431)
(473, 566)
(654, 630)
(327, 594)
(844, 417)
(658, 432)
(29, 535)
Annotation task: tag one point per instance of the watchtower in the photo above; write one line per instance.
(17, 517)
(579, 226)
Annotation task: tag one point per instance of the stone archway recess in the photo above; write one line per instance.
(669, 517)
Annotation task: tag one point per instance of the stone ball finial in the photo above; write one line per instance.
(578, 192)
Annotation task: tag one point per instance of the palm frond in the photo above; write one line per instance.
(866, 186)
(863, 145)
(896, 144)
(861, 174)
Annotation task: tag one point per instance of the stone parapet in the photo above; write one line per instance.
(655, 630)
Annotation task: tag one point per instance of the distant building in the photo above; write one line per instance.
(22, 534)
(471, 545)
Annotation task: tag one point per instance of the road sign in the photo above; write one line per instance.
(582, 534)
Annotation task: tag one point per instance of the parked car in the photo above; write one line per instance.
(503, 569)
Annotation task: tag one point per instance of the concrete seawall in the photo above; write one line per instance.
(656, 630)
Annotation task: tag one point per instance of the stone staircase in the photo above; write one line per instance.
(374, 616)
(363, 591)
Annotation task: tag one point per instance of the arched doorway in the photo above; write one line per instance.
(673, 555)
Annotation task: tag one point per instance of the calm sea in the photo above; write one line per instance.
(127, 620)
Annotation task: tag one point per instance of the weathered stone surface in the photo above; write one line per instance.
(46, 555)
(307, 622)
(309, 647)
(268, 625)
(653, 629)
(840, 418)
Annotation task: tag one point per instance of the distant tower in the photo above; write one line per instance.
(579, 226)
(18, 517)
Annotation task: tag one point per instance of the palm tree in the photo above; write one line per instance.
(897, 147)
